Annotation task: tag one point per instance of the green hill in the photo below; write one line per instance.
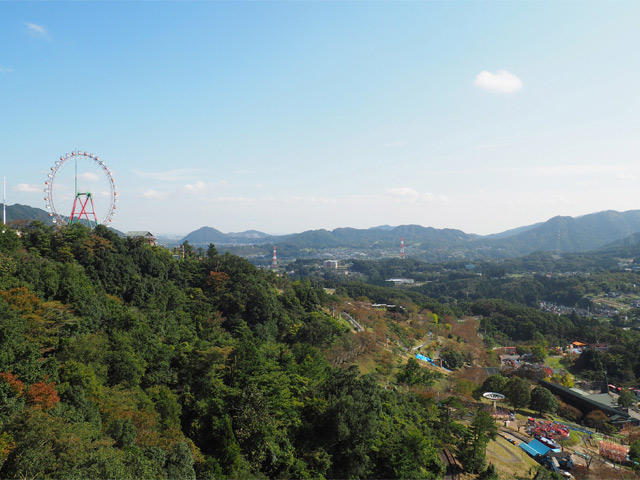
(25, 214)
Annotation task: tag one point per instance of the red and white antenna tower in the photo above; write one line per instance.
(274, 263)
(401, 247)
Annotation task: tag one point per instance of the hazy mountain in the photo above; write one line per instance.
(424, 237)
(513, 231)
(207, 235)
(569, 234)
(559, 234)
(25, 213)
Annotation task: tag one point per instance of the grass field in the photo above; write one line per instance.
(510, 460)
(553, 362)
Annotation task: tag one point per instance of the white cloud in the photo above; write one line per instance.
(176, 175)
(234, 199)
(5, 69)
(155, 194)
(408, 194)
(24, 187)
(502, 81)
(89, 176)
(36, 30)
(198, 187)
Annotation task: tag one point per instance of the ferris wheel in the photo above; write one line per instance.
(74, 182)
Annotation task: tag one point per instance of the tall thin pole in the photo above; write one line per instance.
(4, 200)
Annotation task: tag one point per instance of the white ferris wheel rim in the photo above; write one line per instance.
(50, 182)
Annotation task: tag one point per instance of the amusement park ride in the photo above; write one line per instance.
(96, 182)
(494, 397)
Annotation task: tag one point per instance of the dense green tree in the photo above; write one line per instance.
(539, 353)
(543, 400)
(495, 383)
(345, 422)
(123, 431)
(453, 359)
(626, 399)
(517, 392)
(414, 374)
(472, 448)
(180, 463)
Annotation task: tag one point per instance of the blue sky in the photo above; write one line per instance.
(289, 116)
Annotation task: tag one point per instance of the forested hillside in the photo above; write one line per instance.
(119, 361)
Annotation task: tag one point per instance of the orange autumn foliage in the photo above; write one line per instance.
(42, 395)
(217, 279)
(21, 299)
(12, 379)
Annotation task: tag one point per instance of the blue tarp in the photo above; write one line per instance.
(424, 358)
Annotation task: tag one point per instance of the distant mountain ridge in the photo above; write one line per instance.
(207, 235)
(607, 229)
(574, 234)
(558, 234)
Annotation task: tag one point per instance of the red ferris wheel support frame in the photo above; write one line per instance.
(81, 205)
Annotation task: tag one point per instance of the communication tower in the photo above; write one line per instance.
(402, 247)
(274, 263)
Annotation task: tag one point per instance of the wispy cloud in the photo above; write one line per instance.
(5, 69)
(311, 199)
(89, 176)
(408, 194)
(25, 187)
(234, 199)
(36, 31)
(199, 187)
(154, 194)
(502, 81)
(622, 172)
(176, 175)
